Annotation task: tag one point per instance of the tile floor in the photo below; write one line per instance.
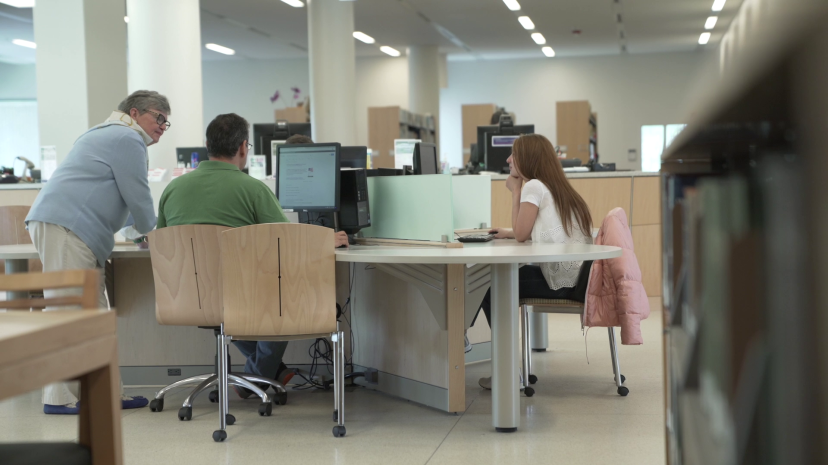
(575, 417)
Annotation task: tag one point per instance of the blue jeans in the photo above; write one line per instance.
(263, 357)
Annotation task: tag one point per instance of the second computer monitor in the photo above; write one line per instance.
(353, 157)
(425, 159)
(307, 177)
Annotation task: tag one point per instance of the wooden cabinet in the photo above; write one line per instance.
(474, 116)
(388, 123)
(577, 129)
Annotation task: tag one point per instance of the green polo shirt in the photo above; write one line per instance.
(218, 193)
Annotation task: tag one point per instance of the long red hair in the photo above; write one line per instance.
(535, 158)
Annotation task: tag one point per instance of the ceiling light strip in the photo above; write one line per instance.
(24, 43)
(538, 38)
(363, 37)
(711, 22)
(704, 38)
(718, 5)
(526, 23)
(220, 49)
(510, 4)
(390, 51)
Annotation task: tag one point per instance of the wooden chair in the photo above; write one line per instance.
(279, 284)
(13, 232)
(86, 280)
(186, 268)
(569, 307)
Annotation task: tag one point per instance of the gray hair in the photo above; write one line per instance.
(144, 100)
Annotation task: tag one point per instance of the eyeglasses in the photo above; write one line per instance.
(161, 120)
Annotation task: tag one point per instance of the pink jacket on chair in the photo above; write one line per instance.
(615, 294)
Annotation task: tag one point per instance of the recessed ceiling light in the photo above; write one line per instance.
(711, 22)
(220, 49)
(704, 38)
(538, 38)
(126, 19)
(718, 5)
(526, 23)
(512, 5)
(24, 43)
(390, 51)
(363, 37)
(294, 3)
(19, 3)
(548, 51)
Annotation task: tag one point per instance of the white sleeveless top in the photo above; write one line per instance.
(549, 229)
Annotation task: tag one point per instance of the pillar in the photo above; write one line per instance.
(165, 56)
(424, 79)
(81, 67)
(332, 71)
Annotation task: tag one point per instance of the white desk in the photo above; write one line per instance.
(504, 257)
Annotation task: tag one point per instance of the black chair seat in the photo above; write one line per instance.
(45, 453)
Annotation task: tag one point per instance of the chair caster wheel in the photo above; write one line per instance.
(529, 391)
(326, 385)
(213, 396)
(265, 409)
(219, 435)
(157, 405)
(280, 398)
(185, 413)
(623, 379)
(339, 431)
(335, 415)
(533, 379)
(623, 391)
(230, 419)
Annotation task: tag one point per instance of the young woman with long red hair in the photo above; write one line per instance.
(545, 209)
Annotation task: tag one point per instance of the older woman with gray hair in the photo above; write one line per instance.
(101, 182)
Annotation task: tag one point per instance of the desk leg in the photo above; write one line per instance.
(15, 265)
(100, 412)
(505, 351)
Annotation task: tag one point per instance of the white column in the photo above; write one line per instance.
(81, 67)
(424, 79)
(332, 71)
(165, 56)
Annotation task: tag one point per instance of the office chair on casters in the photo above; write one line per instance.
(186, 268)
(279, 284)
(567, 307)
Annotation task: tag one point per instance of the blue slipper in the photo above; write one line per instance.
(128, 402)
(61, 409)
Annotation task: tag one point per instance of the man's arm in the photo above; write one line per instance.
(130, 171)
(267, 208)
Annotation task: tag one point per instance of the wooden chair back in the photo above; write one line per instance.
(13, 232)
(86, 280)
(186, 268)
(278, 280)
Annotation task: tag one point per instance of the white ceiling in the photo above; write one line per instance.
(472, 29)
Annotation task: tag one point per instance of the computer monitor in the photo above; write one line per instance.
(425, 158)
(265, 133)
(307, 177)
(185, 154)
(353, 157)
(494, 144)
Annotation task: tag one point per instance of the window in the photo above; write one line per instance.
(18, 133)
(654, 140)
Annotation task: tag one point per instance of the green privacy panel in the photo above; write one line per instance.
(411, 207)
(472, 201)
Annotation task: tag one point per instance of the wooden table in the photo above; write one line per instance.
(39, 348)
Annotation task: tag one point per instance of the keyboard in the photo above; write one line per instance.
(476, 238)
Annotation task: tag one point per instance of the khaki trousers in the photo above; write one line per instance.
(61, 249)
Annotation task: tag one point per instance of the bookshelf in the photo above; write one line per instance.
(388, 123)
(577, 127)
(744, 254)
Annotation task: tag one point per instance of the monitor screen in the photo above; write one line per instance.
(353, 157)
(425, 159)
(307, 177)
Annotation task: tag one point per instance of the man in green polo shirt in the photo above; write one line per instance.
(218, 192)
